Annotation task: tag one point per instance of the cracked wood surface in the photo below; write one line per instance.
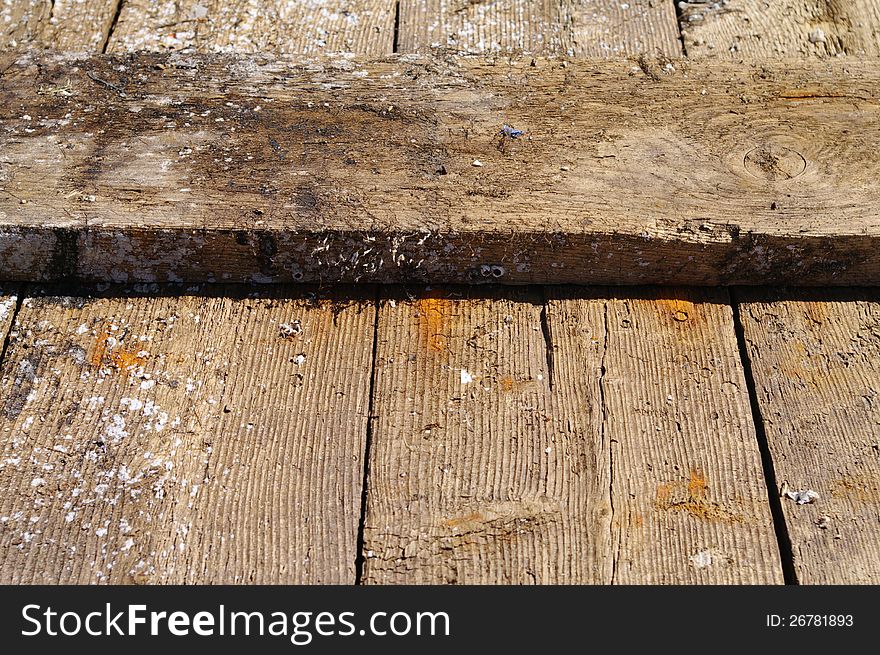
(195, 439)
(814, 356)
(573, 448)
(364, 27)
(579, 28)
(687, 491)
(185, 167)
(782, 28)
(68, 25)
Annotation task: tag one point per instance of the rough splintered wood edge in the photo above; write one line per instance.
(678, 249)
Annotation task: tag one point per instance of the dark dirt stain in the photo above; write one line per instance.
(22, 384)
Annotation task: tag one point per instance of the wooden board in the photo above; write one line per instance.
(571, 27)
(187, 439)
(577, 448)
(364, 27)
(474, 476)
(814, 357)
(188, 167)
(67, 25)
(688, 496)
(783, 28)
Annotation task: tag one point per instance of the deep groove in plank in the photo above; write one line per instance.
(548, 339)
(783, 539)
(679, 16)
(395, 41)
(359, 555)
(119, 6)
(6, 337)
(615, 555)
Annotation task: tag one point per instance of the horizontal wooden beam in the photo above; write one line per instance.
(193, 168)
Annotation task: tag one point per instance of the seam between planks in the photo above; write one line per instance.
(395, 41)
(548, 338)
(19, 298)
(783, 539)
(118, 10)
(360, 556)
(679, 17)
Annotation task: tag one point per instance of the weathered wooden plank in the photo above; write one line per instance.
(662, 370)
(789, 28)
(69, 25)
(474, 475)
(363, 27)
(194, 168)
(814, 357)
(624, 452)
(185, 439)
(592, 28)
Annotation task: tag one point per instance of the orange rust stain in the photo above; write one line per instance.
(862, 488)
(473, 517)
(104, 355)
(509, 383)
(690, 497)
(681, 310)
(697, 487)
(431, 311)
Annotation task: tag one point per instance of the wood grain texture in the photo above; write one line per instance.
(195, 439)
(814, 356)
(66, 25)
(782, 28)
(610, 443)
(591, 28)
(309, 27)
(661, 368)
(230, 169)
(474, 476)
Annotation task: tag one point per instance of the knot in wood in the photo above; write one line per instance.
(774, 162)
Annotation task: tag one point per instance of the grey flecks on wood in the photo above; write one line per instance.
(608, 442)
(64, 25)
(816, 363)
(182, 167)
(364, 27)
(185, 439)
(592, 28)
(661, 371)
(783, 28)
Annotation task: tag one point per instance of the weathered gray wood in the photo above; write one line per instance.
(611, 442)
(67, 25)
(193, 439)
(239, 169)
(591, 28)
(474, 475)
(786, 28)
(815, 358)
(661, 369)
(364, 27)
